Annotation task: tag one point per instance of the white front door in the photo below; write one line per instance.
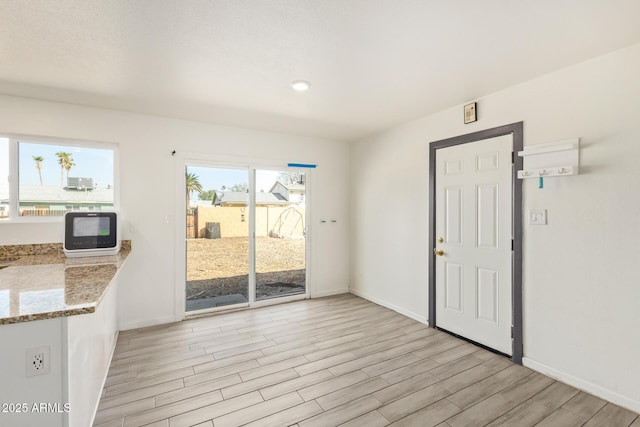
(473, 233)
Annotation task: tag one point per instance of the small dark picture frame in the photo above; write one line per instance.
(470, 113)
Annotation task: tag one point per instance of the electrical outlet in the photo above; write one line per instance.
(38, 361)
(537, 216)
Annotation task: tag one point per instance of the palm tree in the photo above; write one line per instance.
(66, 162)
(39, 160)
(193, 185)
(68, 165)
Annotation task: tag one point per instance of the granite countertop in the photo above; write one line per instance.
(39, 282)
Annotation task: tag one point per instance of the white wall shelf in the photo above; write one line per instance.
(560, 158)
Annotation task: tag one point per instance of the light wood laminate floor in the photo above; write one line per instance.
(324, 362)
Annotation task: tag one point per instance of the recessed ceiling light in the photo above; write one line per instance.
(300, 85)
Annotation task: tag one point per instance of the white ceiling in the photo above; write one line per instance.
(373, 64)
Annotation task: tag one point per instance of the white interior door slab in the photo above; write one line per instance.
(474, 234)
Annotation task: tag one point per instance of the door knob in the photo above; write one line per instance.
(438, 252)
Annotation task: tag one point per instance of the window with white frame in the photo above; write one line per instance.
(48, 177)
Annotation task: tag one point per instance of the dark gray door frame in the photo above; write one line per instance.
(514, 129)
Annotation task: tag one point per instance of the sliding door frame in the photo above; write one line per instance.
(182, 161)
(307, 210)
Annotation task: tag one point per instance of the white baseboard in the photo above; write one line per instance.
(328, 293)
(578, 383)
(410, 314)
(151, 322)
(171, 319)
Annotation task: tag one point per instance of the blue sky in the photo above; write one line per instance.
(89, 163)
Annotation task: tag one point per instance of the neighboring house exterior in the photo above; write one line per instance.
(195, 203)
(240, 199)
(49, 200)
(280, 195)
(294, 193)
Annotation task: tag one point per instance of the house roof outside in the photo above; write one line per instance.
(55, 195)
(196, 203)
(289, 186)
(238, 197)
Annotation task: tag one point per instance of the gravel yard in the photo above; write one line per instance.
(218, 267)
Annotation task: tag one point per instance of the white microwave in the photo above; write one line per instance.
(91, 234)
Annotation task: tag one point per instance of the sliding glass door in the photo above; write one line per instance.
(280, 224)
(246, 235)
(217, 237)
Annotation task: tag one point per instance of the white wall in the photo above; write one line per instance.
(148, 192)
(581, 287)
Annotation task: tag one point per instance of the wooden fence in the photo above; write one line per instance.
(41, 212)
(192, 222)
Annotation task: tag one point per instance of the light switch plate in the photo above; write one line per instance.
(537, 216)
